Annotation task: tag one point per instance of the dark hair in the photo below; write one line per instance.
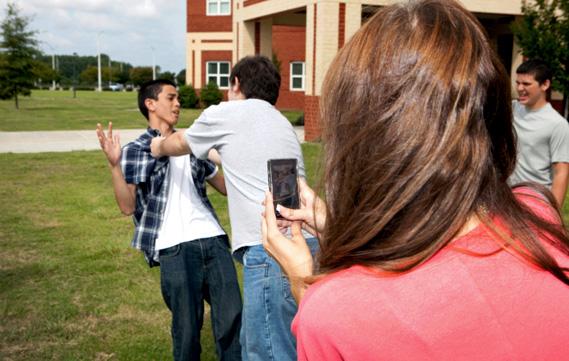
(150, 90)
(416, 115)
(538, 68)
(258, 78)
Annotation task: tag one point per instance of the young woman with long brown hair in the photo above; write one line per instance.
(425, 253)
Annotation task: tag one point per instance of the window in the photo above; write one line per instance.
(218, 72)
(218, 7)
(297, 75)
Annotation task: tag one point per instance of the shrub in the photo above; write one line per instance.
(188, 97)
(211, 95)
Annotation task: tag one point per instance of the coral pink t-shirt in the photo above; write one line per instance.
(453, 307)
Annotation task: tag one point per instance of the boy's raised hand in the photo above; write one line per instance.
(110, 146)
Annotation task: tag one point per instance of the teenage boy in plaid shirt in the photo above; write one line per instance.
(177, 228)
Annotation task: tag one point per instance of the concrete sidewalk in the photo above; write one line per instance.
(70, 140)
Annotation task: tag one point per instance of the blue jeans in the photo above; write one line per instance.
(269, 308)
(190, 273)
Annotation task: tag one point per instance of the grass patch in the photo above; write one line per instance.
(58, 110)
(71, 287)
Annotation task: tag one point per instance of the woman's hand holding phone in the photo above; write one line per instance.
(312, 211)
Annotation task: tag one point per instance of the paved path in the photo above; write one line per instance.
(70, 140)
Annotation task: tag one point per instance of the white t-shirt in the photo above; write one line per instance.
(543, 139)
(246, 133)
(186, 217)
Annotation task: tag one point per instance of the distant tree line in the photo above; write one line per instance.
(86, 72)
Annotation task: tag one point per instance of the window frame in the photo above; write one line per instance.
(218, 6)
(218, 75)
(302, 77)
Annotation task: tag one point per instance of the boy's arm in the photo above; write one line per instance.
(560, 181)
(173, 145)
(214, 157)
(125, 194)
(218, 182)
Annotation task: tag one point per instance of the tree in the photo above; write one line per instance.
(140, 75)
(19, 47)
(168, 75)
(544, 33)
(181, 77)
(278, 63)
(43, 73)
(188, 97)
(211, 95)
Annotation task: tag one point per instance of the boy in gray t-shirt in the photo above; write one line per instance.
(246, 131)
(543, 134)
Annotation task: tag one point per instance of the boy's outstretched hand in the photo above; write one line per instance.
(110, 146)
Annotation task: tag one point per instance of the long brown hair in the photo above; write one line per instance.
(417, 120)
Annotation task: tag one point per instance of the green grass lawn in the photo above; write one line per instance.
(71, 287)
(58, 110)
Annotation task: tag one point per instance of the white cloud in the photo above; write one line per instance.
(129, 28)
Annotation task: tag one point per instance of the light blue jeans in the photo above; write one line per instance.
(268, 309)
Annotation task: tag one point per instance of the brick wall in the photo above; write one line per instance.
(289, 42)
(311, 118)
(200, 22)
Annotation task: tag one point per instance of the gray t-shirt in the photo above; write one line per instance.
(543, 139)
(246, 133)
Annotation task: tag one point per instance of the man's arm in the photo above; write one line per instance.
(218, 182)
(125, 194)
(560, 181)
(214, 157)
(173, 145)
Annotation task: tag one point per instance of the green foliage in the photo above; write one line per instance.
(211, 95)
(543, 33)
(17, 62)
(188, 97)
(91, 74)
(168, 75)
(181, 77)
(44, 73)
(140, 75)
(276, 61)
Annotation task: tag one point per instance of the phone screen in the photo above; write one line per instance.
(283, 183)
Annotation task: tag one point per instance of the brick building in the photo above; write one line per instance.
(304, 36)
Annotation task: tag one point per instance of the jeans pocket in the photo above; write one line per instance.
(252, 260)
(287, 294)
(170, 252)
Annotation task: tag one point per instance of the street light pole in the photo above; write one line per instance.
(99, 60)
(52, 63)
(110, 72)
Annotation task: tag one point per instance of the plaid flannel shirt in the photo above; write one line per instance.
(150, 174)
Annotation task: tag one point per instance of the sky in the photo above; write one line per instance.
(129, 29)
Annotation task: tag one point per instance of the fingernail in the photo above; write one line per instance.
(279, 208)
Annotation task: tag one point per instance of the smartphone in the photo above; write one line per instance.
(283, 183)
